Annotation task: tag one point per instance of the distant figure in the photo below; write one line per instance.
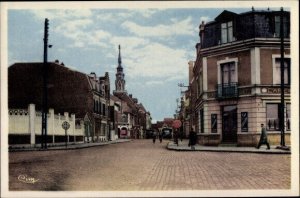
(263, 138)
(181, 135)
(175, 136)
(154, 137)
(160, 137)
(192, 139)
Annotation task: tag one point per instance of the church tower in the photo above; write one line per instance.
(120, 81)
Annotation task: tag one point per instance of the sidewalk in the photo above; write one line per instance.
(62, 146)
(183, 146)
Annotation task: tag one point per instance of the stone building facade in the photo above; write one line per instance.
(236, 78)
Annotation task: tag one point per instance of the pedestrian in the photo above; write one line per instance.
(175, 136)
(192, 139)
(154, 137)
(263, 138)
(181, 135)
(160, 137)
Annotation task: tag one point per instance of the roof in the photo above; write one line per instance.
(225, 15)
(68, 90)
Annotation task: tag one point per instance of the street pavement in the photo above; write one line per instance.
(140, 165)
(182, 146)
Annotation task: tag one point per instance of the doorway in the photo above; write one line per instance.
(229, 124)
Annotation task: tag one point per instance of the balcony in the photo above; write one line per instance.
(228, 90)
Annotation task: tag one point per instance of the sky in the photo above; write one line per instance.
(156, 45)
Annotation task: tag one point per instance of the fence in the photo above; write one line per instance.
(25, 126)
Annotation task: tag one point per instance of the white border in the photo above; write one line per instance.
(294, 8)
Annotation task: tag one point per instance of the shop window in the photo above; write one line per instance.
(214, 123)
(273, 119)
(201, 121)
(288, 117)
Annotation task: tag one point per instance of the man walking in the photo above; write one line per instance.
(263, 138)
(192, 139)
(154, 137)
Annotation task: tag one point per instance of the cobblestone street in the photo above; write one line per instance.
(140, 165)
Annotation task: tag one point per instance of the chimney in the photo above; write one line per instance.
(56, 61)
(93, 75)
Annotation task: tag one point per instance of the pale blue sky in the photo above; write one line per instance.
(156, 46)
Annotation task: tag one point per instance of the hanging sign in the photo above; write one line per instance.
(176, 124)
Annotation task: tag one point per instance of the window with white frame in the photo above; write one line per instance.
(227, 32)
(228, 73)
(277, 71)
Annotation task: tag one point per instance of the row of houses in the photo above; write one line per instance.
(96, 113)
(234, 83)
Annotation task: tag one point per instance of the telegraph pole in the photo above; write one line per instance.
(45, 91)
(282, 128)
(282, 142)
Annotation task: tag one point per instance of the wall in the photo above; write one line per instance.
(27, 122)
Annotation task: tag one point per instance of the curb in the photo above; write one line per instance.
(225, 149)
(61, 147)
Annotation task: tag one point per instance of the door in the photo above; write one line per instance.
(229, 124)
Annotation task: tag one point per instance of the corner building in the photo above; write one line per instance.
(236, 78)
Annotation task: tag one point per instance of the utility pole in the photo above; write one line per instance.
(282, 128)
(45, 91)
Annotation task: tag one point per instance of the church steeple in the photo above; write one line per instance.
(120, 81)
(119, 59)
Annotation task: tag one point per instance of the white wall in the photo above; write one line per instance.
(22, 122)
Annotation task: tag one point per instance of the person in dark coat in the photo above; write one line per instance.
(175, 136)
(192, 138)
(263, 138)
(154, 137)
(160, 137)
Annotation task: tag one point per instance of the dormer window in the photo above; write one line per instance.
(285, 27)
(227, 32)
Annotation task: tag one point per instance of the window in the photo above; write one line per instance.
(288, 117)
(228, 73)
(287, 71)
(103, 109)
(201, 120)
(200, 84)
(227, 32)
(273, 121)
(285, 27)
(214, 123)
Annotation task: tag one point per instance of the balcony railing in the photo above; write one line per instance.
(228, 90)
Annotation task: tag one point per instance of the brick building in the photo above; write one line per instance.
(235, 84)
(85, 96)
